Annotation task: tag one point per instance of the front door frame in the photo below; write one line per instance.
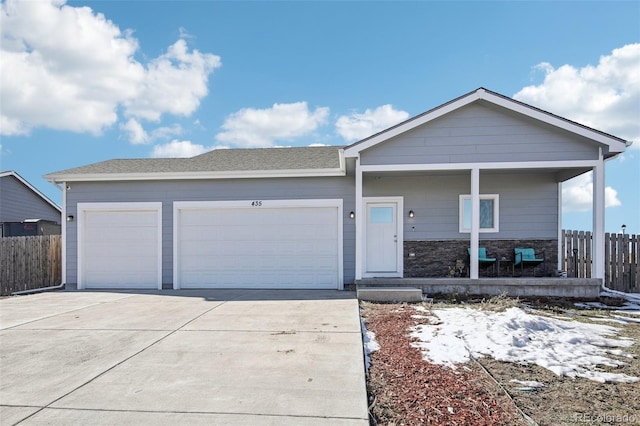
(399, 202)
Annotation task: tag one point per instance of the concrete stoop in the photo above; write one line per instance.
(580, 288)
(389, 294)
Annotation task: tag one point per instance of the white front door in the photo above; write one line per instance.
(383, 239)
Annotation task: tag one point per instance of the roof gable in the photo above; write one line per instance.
(15, 175)
(614, 144)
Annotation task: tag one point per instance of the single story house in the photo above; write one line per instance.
(482, 170)
(24, 210)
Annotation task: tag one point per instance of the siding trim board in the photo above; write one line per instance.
(258, 174)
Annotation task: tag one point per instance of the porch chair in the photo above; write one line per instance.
(527, 257)
(483, 261)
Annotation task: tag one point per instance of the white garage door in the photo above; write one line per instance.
(119, 245)
(270, 244)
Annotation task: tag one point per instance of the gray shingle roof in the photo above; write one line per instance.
(220, 160)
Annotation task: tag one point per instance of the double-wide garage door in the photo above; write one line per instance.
(258, 244)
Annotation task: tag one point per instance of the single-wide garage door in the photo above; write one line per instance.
(119, 246)
(260, 245)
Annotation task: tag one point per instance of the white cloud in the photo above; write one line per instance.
(178, 149)
(166, 132)
(137, 135)
(135, 131)
(251, 128)
(359, 126)
(69, 68)
(605, 97)
(174, 83)
(577, 194)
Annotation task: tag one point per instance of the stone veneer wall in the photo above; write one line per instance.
(433, 258)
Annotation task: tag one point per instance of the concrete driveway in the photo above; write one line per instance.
(187, 357)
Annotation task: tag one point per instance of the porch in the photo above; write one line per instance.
(578, 288)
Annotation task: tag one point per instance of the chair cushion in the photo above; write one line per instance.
(482, 252)
(527, 253)
(482, 255)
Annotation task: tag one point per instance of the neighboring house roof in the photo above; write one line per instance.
(8, 173)
(219, 163)
(614, 144)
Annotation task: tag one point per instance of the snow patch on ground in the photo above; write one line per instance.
(370, 344)
(567, 348)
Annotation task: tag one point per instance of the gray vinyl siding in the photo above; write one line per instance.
(479, 133)
(18, 202)
(528, 203)
(210, 190)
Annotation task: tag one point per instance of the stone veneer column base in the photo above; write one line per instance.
(432, 259)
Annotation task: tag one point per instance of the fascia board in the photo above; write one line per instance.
(482, 166)
(252, 174)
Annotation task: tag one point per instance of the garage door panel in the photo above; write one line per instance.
(120, 248)
(258, 248)
(104, 219)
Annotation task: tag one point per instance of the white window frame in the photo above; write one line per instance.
(496, 212)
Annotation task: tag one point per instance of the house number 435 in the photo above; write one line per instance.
(256, 203)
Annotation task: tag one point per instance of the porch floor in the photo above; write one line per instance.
(579, 288)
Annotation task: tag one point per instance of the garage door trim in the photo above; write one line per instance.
(255, 204)
(83, 208)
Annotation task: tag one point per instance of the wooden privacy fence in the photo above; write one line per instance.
(28, 263)
(621, 251)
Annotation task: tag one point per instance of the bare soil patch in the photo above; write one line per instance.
(405, 390)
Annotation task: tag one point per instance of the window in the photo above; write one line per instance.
(488, 213)
(381, 215)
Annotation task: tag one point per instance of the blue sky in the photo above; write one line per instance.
(87, 81)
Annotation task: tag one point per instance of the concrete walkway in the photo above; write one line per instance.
(188, 357)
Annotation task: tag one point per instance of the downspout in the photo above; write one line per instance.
(38, 290)
(63, 223)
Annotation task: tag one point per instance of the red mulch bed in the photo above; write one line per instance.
(406, 390)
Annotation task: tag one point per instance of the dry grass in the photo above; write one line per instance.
(398, 376)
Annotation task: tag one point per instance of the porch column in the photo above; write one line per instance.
(359, 220)
(561, 255)
(475, 223)
(598, 220)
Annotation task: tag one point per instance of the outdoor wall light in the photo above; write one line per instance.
(352, 215)
(70, 218)
(624, 228)
(411, 213)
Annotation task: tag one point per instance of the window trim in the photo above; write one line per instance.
(496, 212)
